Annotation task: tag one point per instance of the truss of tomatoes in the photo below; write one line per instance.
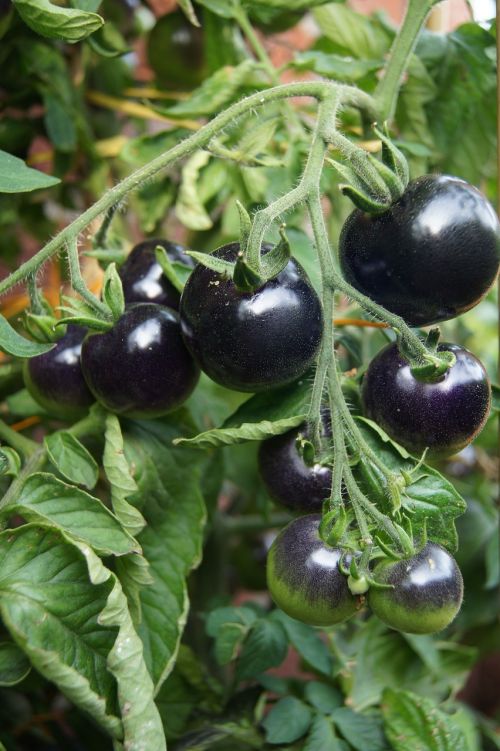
(431, 256)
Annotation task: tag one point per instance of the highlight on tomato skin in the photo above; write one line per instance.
(430, 257)
(251, 341)
(140, 368)
(442, 416)
(304, 578)
(55, 379)
(426, 593)
(142, 276)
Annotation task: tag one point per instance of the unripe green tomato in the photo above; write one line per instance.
(304, 578)
(176, 53)
(426, 595)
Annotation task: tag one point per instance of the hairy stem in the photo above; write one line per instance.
(316, 89)
(386, 93)
(78, 283)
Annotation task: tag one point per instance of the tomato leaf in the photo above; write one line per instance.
(71, 458)
(412, 722)
(430, 497)
(17, 177)
(51, 609)
(265, 647)
(287, 721)
(270, 413)
(44, 498)
(322, 736)
(68, 24)
(14, 665)
(362, 731)
(169, 498)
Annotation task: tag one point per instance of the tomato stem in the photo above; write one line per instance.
(386, 93)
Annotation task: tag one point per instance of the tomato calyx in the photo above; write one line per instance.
(372, 184)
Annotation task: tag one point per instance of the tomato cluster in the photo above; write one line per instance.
(431, 256)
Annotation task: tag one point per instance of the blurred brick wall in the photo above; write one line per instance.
(447, 15)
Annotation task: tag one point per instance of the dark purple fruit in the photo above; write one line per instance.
(140, 367)
(304, 578)
(432, 256)
(426, 595)
(55, 379)
(443, 416)
(251, 341)
(143, 279)
(288, 479)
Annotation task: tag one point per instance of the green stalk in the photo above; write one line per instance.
(18, 442)
(199, 140)
(386, 93)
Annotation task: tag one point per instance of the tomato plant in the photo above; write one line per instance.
(245, 501)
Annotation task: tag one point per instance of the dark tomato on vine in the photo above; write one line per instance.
(426, 595)
(143, 279)
(251, 341)
(176, 53)
(140, 367)
(288, 479)
(432, 256)
(304, 578)
(55, 379)
(443, 416)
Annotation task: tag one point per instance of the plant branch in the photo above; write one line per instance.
(387, 91)
(78, 283)
(18, 442)
(316, 89)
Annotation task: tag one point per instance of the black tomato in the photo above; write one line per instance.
(140, 367)
(176, 52)
(304, 578)
(143, 279)
(443, 416)
(251, 341)
(426, 595)
(432, 256)
(288, 479)
(55, 379)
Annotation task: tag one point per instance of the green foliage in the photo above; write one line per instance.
(104, 523)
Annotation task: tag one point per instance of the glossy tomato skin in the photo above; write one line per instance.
(288, 479)
(251, 341)
(427, 593)
(140, 368)
(55, 379)
(432, 256)
(143, 279)
(444, 416)
(304, 578)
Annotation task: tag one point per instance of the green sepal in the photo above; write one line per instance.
(10, 461)
(168, 268)
(405, 540)
(386, 550)
(306, 449)
(14, 344)
(245, 278)
(363, 201)
(226, 268)
(434, 369)
(390, 178)
(392, 157)
(112, 292)
(432, 338)
(105, 256)
(42, 328)
(330, 533)
(275, 261)
(245, 225)
(89, 322)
